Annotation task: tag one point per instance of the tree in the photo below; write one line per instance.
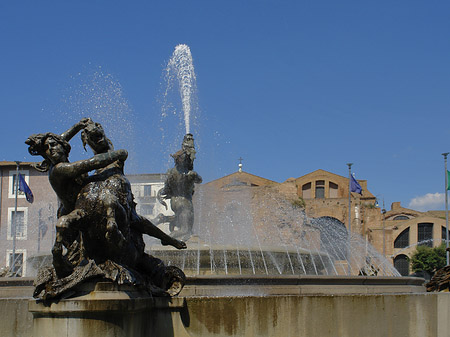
(298, 203)
(428, 259)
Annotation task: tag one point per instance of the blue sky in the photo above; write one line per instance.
(290, 86)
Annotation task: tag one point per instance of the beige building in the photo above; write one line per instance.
(409, 228)
(320, 193)
(394, 233)
(326, 195)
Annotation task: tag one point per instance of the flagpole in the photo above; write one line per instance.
(16, 187)
(349, 209)
(446, 207)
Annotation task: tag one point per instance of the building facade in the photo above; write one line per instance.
(145, 189)
(394, 233)
(320, 193)
(26, 229)
(410, 229)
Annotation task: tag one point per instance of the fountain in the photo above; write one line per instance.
(254, 268)
(232, 236)
(230, 232)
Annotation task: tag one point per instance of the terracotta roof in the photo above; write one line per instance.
(13, 163)
(242, 174)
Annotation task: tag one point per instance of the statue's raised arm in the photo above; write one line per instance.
(74, 129)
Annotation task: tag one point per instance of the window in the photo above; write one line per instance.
(401, 217)
(444, 236)
(147, 209)
(12, 183)
(20, 221)
(17, 264)
(333, 190)
(135, 189)
(425, 234)
(402, 241)
(306, 191)
(320, 189)
(147, 190)
(401, 263)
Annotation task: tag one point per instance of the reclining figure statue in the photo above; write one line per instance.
(97, 220)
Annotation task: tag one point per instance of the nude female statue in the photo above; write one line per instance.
(67, 180)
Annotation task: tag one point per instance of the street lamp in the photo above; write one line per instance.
(383, 211)
(349, 211)
(446, 208)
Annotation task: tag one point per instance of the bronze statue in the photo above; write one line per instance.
(179, 188)
(97, 221)
(94, 136)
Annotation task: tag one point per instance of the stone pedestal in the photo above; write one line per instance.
(108, 310)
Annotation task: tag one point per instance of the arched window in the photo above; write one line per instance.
(333, 188)
(401, 263)
(401, 217)
(425, 234)
(444, 236)
(402, 240)
(306, 191)
(320, 189)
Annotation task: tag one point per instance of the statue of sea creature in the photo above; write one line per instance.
(179, 188)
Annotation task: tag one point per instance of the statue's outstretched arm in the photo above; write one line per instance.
(196, 177)
(80, 167)
(68, 135)
(145, 226)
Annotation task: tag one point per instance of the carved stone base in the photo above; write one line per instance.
(108, 310)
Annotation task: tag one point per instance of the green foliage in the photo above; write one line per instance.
(428, 259)
(298, 203)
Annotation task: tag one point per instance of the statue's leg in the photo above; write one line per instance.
(172, 224)
(177, 205)
(113, 233)
(185, 220)
(64, 225)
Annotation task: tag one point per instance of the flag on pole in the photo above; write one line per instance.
(354, 185)
(23, 186)
(448, 180)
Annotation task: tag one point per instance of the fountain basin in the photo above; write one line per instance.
(203, 259)
(235, 305)
(289, 285)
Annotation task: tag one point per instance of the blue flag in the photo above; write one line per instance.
(25, 189)
(354, 185)
(448, 180)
